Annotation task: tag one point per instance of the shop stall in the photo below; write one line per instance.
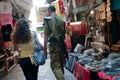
(10, 12)
(7, 58)
(96, 55)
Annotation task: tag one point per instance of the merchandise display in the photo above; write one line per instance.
(7, 58)
(70, 64)
(62, 9)
(77, 38)
(6, 19)
(68, 42)
(78, 48)
(105, 64)
(96, 63)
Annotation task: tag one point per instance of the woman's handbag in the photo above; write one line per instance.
(39, 55)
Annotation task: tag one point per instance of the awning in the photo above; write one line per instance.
(50, 1)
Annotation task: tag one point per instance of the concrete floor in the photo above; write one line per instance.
(45, 73)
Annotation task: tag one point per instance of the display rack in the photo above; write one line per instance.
(2, 67)
(8, 63)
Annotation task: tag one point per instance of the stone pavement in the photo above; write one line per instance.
(45, 73)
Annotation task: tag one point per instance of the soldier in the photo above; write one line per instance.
(54, 32)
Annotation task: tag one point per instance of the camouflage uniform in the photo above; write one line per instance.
(57, 56)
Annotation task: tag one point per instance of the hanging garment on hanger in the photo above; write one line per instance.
(5, 8)
(6, 19)
(6, 32)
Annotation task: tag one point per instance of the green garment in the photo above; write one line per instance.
(51, 24)
(57, 56)
(57, 62)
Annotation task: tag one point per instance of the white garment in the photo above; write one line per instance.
(5, 7)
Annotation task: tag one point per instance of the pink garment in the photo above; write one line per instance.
(14, 22)
(6, 19)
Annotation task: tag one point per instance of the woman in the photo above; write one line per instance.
(24, 40)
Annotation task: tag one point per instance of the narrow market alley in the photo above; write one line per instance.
(45, 73)
(81, 37)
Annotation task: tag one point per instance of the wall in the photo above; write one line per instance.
(115, 4)
(41, 13)
(27, 14)
(115, 24)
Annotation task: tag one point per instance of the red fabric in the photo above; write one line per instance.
(103, 76)
(68, 42)
(14, 22)
(62, 9)
(81, 73)
(80, 28)
(6, 19)
(0, 23)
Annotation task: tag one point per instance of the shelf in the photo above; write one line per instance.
(8, 65)
(3, 68)
(11, 67)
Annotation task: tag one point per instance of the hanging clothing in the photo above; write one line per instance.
(14, 22)
(19, 15)
(62, 9)
(6, 32)
(5, 8)
(6, 19)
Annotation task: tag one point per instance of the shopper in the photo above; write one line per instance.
(54, 28)
(23, 39)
